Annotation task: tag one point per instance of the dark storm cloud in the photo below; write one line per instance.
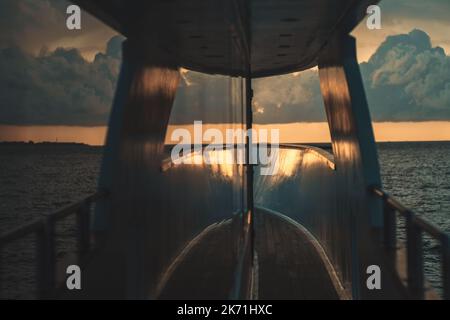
(25, 19)
(34, 24)
(57, 88)
(405, 80)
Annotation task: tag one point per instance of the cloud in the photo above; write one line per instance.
(289, 98)
(33, 24)
(435, 10)
(401, 16)
(218, 99)
(58, 87)
(27, 21)
(408, 79)
(210, 98)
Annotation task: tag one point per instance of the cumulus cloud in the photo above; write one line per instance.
(408, 79)
(289, 98)
(58, 87)
(399, 16)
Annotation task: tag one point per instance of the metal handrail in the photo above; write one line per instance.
(44, 229)
(415, 227)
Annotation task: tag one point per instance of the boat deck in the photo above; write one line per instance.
(205, 268)
(289, 266)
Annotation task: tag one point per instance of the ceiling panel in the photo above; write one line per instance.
(268, 37)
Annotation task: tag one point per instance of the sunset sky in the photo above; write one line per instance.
(405, 68)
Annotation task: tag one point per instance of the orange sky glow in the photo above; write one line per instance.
(289, 133)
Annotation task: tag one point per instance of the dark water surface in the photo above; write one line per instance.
(38, 179)
(418, 175)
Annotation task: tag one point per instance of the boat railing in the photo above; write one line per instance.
(44, 230)
(415, 227)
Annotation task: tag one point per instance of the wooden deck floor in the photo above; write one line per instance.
(207, 269)
(289, 266)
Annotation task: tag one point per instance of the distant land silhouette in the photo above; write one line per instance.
(45, 144)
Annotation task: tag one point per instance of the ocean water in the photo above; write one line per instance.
(418, 175)
(35, 180)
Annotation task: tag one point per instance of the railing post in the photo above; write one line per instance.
(46, 266)
(390, 232)
(390, 227)
(83, 229)
(445, 245)
(415, 257)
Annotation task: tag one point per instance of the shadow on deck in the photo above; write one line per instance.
(289, 266)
